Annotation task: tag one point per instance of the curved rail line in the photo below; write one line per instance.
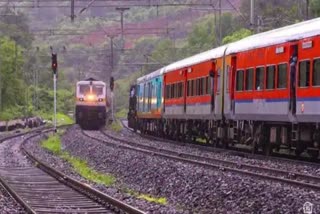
(300, 180)
(42, 189)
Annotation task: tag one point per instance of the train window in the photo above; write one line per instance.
(168, 91)
(271, 70)
(249, 79)
(208, 85)
(194, 88)
(172, 90)
(204, 86)
(188, 88)
(316, 72)
(282, 76)
(240, 80)
(97, 89)
(180, 89)
(200, 86)
(84, 89)
(259, 78)
(304, 74)
(197, 87)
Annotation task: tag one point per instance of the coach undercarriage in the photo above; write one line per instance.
(257, 136)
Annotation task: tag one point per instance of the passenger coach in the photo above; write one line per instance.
(262, 92)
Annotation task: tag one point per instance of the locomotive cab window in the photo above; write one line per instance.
(271, 70)
(316, 73)
(259, 78)
(84, 89)
(240, 80)
(97, 89)
(304, 74)
(249, 79)
(282, 76)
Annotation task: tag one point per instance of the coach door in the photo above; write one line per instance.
(212, 74)
(185, 88)
(232, 79)
(293, 81)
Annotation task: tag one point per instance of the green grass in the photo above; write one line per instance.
(62, 119)
(116, 126)
(122, 113)
(53, 144)
(147, 197)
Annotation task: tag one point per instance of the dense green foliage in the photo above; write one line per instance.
(315, 7)
(21, 66)
(240, 34)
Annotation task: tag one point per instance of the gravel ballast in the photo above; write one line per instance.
(188, 188)
(294, 167)
(115, 191)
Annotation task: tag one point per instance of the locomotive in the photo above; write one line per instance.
(91, 103)
(262, 93)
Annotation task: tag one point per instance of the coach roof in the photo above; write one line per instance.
(281, 35)
(196, 59)
(151, 75)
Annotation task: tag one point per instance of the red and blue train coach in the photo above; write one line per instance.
(262, 91)
(272, 83)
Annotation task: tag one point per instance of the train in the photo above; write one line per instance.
(261, 93)
(91, 104)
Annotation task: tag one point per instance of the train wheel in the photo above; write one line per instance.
(314, 154)
(267, 149)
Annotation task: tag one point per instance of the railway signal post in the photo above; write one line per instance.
(54, 66)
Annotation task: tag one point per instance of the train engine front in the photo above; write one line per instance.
(91, 103)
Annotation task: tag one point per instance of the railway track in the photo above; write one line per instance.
(41, 189)
(287, 177)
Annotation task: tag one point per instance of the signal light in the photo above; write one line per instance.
(54, 62)
(111, 83)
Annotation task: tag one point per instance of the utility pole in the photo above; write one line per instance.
(112, 70)
(122, 10)
(307, 9)
(252, 23)
(0, 93)
(220, 23)
(72, 11)
(112, 55)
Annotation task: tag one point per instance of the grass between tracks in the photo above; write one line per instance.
(147, 197)
(116, 126)
(53, 144)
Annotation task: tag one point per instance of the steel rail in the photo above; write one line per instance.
(84, 189)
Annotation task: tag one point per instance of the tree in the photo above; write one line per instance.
(15, 26)
(203, 35)
(315, 7)
(11, 71)
(240, 34)
(273, 13)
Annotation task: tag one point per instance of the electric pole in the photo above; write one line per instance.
(307, 9)
(72, 11)
(122, 10)
(252, 22)
(220, 23)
